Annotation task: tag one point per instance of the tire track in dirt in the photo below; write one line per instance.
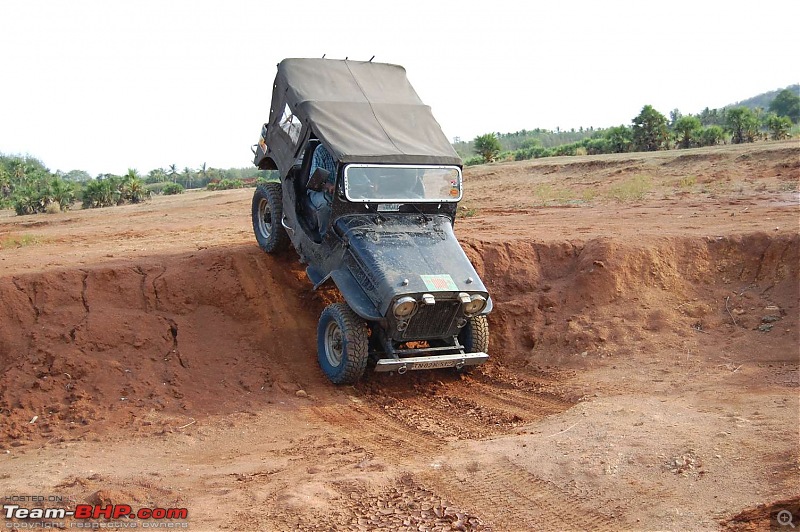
(377, 431)
(513, 499)
(488, 402)
(411, 423)
(441, 407)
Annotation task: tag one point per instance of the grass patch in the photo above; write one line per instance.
(20, 241)
(687, 182)
(633, 189)
(547, 194)
(588, 195)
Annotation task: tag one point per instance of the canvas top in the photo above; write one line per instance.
(361, 111)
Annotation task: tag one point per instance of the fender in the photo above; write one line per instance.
(355, 295)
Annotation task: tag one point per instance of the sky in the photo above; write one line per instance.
(106, 85)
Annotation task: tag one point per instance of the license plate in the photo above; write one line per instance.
(433, 365)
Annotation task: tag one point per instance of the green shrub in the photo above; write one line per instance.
(172, 188)
(114, 190)
(264, 181)
(711, 136)
(779, 126)
(226, 184)
(43, 194)
(27, 201)
(597, 146)
(156, 188)
(533, 152)
(566, 149)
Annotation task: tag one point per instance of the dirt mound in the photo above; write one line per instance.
(164, 340)
(158, 341)
(588, 295)
(765, 517)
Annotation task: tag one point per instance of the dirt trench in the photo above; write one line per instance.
(203, 332)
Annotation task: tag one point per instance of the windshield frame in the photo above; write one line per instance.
(404, 199)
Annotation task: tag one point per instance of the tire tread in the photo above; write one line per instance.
(476, 335)
(278, 239)
(355, 331)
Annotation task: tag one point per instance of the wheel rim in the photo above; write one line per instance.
(334, 344)
(264, 218)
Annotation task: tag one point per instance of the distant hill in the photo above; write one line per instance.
(763, 100)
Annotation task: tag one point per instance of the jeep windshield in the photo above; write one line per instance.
(401, 183)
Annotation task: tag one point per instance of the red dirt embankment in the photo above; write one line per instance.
(197, 334)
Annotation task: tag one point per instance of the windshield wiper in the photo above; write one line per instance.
(381, 218)
(424, 216)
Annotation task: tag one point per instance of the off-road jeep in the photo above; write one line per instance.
(412, 298)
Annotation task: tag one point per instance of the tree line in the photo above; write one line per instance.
(649, 131)
(29, 187)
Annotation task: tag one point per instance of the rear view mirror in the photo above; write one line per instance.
(318, 179)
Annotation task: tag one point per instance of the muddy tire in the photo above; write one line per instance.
(475, 338)
(342, 344)
(267, 215)
(475, 335)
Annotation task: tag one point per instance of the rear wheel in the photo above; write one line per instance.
(267, 215)
(342, 344)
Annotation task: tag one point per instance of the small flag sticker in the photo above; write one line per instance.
(442, 283)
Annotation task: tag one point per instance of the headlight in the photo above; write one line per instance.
(404, 308)
(476, 304)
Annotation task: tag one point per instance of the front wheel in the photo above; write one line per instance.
(342, 344)
(475, 338)
(475, 335)
(267, 214)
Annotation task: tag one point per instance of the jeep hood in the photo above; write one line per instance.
(407, 255)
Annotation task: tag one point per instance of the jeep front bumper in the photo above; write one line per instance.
(456, 360)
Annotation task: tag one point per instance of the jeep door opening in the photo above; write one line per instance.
(412, 298)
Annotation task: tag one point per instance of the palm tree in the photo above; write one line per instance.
(22, 172)
(61, 192)
(187, 175)
(158, 175)
(5, 183)
(132, 188)
(204, 173)
(173, 172)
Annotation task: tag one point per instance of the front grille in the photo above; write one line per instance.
(433, 321)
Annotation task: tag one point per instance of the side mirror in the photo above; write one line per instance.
(318, 179)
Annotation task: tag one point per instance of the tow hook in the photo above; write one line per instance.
(402, 369)
(460, 364)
